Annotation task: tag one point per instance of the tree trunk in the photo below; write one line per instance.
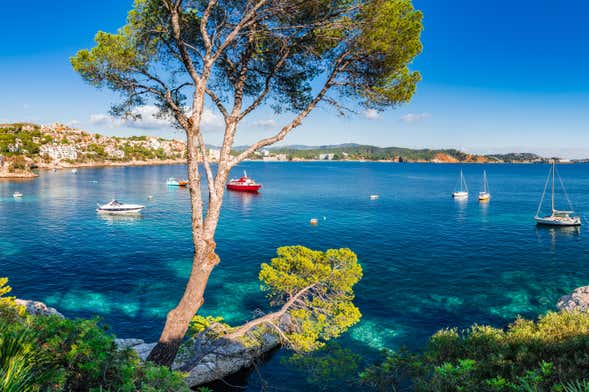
(178, 319)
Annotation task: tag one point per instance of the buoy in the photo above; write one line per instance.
(374, 197)
(314, 221)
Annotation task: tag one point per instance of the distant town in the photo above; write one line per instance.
(25, 147)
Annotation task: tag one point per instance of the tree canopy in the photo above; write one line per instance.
(259, 51)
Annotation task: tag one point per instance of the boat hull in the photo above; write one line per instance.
(120, 211)
(484, 197)
(460, 195)
(556, 221)
(244, 188)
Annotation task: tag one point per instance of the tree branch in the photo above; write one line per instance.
(339, 66)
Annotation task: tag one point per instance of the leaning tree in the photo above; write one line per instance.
(239, 56)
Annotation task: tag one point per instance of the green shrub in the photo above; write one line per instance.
(551, 354)
(9, 310)
(49, 353)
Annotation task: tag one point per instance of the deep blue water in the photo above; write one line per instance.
(429, 261)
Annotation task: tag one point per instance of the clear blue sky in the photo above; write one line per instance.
(497, 76)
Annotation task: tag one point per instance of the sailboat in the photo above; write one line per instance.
(557, 217)
(484, 195)
(462, 192)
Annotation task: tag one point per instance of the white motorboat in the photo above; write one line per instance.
(115, 207)
(75, 171)
(484, 195)
(557, 217)
(462, 189)
(17, 195)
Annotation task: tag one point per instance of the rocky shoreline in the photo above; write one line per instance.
(65, 166)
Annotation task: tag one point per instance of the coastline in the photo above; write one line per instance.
(155, 162)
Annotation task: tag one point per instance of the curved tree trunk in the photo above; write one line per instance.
(178, 319)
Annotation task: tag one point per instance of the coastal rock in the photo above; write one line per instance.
(36, 308)
(126, 343)
(577, 300)
(143, 349)
(212, 360)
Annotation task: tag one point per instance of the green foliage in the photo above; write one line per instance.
(319, 287)
(200, 324)
(20, 366)
(48, 353)
(366, 46)
(9, 310)
(547, 355)
(78, 355)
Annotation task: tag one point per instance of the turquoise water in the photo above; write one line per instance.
(429, 261)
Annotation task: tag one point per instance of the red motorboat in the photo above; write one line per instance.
(243, 184)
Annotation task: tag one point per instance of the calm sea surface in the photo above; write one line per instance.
(429, 261)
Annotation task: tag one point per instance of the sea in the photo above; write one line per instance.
(429, 262)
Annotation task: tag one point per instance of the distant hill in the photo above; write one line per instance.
(352, 151)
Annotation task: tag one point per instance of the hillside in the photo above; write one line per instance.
(24, 146)
(397, 154)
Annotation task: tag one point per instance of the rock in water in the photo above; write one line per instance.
(36, 308)
(577, 300)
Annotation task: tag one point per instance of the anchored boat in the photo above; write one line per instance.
(243, 184)
(484, 195)
(115, 207)
(462, 191)
(176, 182)
(557, 217)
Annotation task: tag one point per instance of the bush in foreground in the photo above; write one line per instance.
(48, 353)
(550, 354)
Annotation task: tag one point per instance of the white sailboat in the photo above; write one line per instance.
(484, 195)
(557, 217)
(462, 192)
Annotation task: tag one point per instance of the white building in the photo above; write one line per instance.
(59, 151)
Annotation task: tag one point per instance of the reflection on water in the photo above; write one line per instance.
(243, 198)
(461, 205)
(120, 218)
(556, 233)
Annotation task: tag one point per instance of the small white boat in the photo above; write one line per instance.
(484, 195)
(374, 197)
(557, 217)
(17, 195)
(172, 181)
(462, 191)
(115, 207)
(75, 171)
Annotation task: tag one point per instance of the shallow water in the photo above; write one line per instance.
(429, 261)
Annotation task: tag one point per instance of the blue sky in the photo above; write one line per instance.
(497, 76)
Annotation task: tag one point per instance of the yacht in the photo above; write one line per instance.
(557, 217)
(462, 191)
(116, 207)
(243, 184)
(484, 195)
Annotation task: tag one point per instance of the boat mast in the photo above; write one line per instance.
(553, 175)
